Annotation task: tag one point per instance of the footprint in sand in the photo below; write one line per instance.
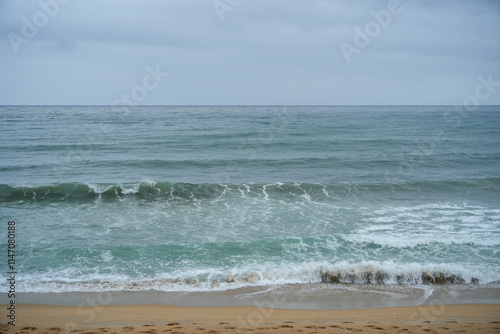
(173, 324)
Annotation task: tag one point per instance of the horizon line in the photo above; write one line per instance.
(243, 105)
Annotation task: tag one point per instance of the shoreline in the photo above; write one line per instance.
(291, 296)
(469, 318)
(298, 308)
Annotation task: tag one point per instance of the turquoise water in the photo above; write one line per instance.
(214, 198)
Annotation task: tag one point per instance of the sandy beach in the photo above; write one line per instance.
(464, 318)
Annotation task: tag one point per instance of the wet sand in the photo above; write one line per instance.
(291, 296)
(302, 308)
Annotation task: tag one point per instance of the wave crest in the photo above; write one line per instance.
(186, 191)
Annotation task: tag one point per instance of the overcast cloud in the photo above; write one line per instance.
(248, 52)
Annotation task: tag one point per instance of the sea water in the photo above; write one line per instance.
(215, 198)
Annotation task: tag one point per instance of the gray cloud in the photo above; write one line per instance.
(262, 52)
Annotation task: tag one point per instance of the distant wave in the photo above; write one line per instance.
(187, 191)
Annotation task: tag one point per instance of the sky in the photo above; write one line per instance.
(249, 52)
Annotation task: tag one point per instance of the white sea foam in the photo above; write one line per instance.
(364, 272)
(436, 223)
(130, 189)
(402, 240)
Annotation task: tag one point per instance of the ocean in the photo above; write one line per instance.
(215, 198)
